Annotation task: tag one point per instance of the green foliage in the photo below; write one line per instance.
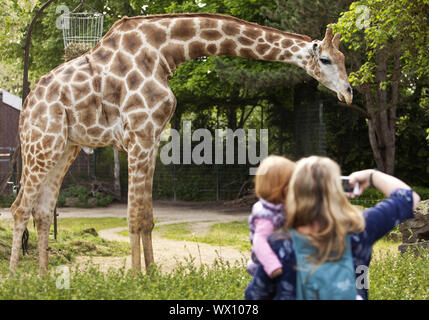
(398, 25)
(399, 277)
(6, 200)
(83, 194)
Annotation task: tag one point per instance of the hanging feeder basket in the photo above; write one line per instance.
(81, 31)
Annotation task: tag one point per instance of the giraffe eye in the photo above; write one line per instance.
(325, 61)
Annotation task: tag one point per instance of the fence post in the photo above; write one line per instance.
(174, 182)
(217, 182)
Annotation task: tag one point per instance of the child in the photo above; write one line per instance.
(271, 181)
(320, 217)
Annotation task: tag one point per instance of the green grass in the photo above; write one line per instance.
(235, 234)
(399, 277)
(79, 224)
(71, 242)
(187, 282)
(392, 275)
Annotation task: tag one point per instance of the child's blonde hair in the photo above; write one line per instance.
(316, 195)
(272, 178)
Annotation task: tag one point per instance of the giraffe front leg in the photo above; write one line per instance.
(140, 214)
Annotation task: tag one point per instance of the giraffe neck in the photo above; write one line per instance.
(169, 40)
(225, 36)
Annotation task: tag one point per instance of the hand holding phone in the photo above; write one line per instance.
(348, 189)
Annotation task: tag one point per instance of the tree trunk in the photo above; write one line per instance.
(382, 112)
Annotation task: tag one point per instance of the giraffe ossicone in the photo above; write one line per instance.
(118, 94)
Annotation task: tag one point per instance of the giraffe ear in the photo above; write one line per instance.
(336, 40)
(315, 49)
(328, 35)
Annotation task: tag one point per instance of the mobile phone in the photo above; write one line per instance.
(353, 190)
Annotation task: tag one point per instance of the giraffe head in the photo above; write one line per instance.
(328, 66)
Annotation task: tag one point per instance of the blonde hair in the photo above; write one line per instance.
(316, 196)
(272, 178)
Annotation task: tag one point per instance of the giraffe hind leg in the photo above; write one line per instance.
(35, 170)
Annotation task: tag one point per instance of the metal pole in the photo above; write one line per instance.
(216, 165)
(217, 182)
(174, 182)
(55, 223)
(95, 163)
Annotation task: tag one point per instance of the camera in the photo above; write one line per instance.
(351, 190)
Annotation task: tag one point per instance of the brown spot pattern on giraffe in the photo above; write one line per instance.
(131, 42)
(146, 61)
(163, 113)
(128, 25)
(272, 37)
(208, 23)
(272, 55)
(109, 115)
(183, 29)
(252, 33)
(114, 91)
(137, 119)
(212, 48)
(262, 48)
(80, 90)
(67, 74)
(153, 93)
(248, 53)
(211, 35)
(155, 36)
(40, 92)
(174, 54)
(121, 64)
(230, 29)
(112, 42)
(286, 43)
(133, 103)
(102, 55)
(227, 48)
(197, 49)
(245, 41)
(53, 92)
(134, 80)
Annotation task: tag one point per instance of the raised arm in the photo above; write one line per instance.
(383, 182)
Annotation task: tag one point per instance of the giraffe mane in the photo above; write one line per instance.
(212, 15)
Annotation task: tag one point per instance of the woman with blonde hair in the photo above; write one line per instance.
(326, 244)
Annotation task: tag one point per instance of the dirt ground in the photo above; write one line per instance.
(167, 253)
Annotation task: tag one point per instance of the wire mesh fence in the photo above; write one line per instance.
(200, 182)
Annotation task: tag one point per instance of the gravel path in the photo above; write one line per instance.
(167, 253)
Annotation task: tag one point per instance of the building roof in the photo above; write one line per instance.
(11, 100)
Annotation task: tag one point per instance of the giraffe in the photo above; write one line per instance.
(118, 94)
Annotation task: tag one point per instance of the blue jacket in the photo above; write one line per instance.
(379, 221)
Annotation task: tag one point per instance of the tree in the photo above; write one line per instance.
(14, 15)
(390, 42)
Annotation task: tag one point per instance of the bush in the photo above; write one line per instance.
(372, 196)
(103, 200)
(83, 194)
(6, 200)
